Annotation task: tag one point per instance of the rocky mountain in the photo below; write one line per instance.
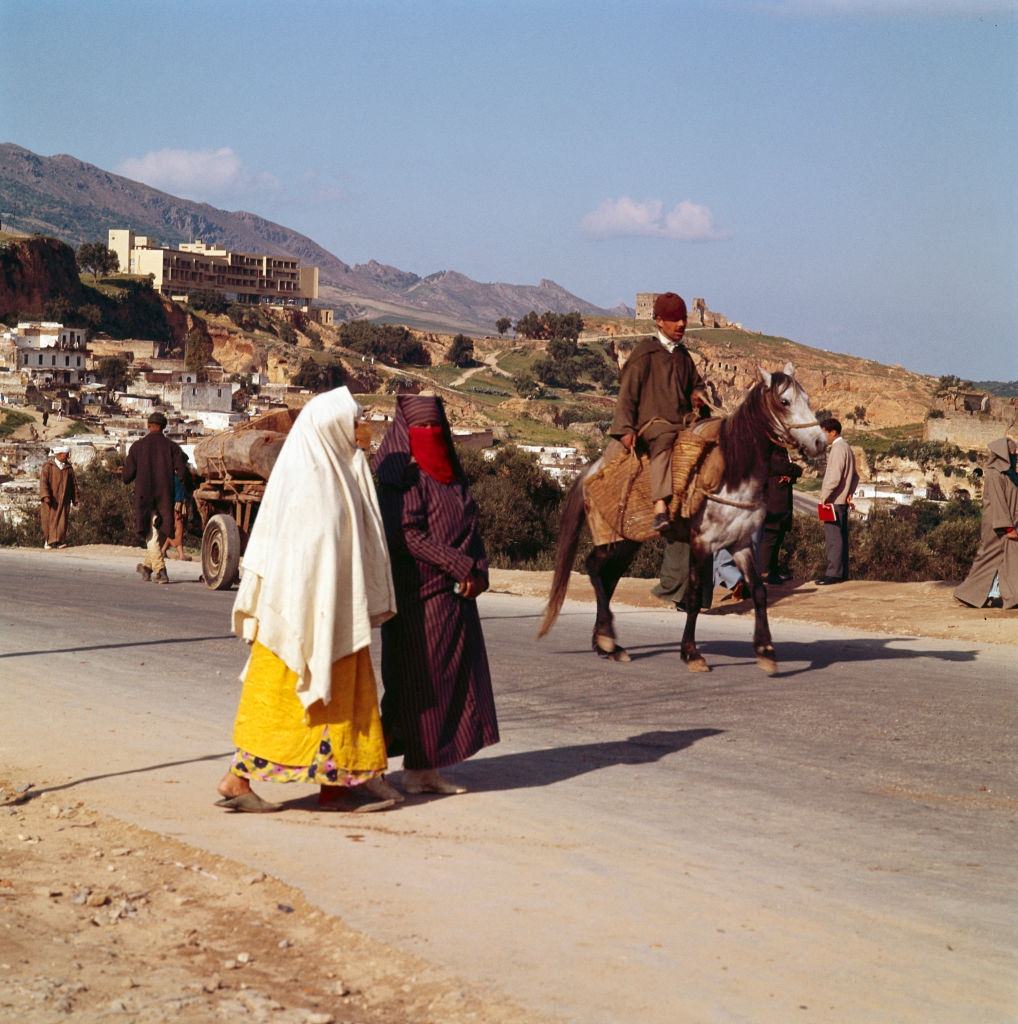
(78, 202)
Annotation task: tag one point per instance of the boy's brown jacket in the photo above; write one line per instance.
(655, 383)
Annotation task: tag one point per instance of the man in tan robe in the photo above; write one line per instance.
(58, 490)
(997, 557)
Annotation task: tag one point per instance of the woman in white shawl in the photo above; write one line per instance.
(316, 578)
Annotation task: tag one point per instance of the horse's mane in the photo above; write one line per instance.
(747, 434)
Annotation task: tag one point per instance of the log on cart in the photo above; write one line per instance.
(234, 467)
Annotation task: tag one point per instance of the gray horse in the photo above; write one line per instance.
(775, 411)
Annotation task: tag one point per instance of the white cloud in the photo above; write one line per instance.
(685, 222)
(198, 173)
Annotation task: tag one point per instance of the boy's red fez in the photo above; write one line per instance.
(669, 306)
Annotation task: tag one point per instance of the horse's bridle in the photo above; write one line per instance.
(786, 429)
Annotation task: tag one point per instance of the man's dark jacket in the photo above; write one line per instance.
(779, 495)
(150, 464)
(655, 383)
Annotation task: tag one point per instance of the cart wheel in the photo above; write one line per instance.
(220, 552)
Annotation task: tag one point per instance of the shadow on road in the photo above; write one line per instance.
(129, 771)
(556, 764)
(822, 654)
(113, 647)
(818, 654)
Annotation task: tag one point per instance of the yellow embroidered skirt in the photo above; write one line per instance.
(334, 744)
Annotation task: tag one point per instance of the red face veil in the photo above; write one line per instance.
(429, 447)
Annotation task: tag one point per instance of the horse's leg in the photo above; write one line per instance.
(699, 567)
(766, 658)
(605, 566)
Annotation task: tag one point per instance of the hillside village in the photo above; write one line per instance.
(213, 337)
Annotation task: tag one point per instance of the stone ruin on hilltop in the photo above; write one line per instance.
(700, 315)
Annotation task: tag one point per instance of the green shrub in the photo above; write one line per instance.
(20, 531)
(461, 351)
(12, 419)
(105, 512)
(386, 342)
(209, 300)
(954, 543)
(519, 507)
(803, 548)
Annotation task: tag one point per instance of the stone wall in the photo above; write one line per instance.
(972, 430)
(700, 315)
(645, 305)
(972, 419)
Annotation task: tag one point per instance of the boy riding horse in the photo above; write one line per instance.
(659, 394)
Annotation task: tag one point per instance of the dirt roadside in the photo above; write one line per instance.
(102, 921)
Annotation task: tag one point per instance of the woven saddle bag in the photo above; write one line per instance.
(618, 495)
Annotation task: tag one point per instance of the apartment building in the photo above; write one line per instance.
(240, 276)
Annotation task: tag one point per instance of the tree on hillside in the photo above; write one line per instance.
(319, 376)
(388, 343)
(502, 324)
(529, 325)
(197, 352)
(209, 300)
(114, 372)
(96, 259)
(57, 309)
(550, 325)
(461, 351)
(90, 314)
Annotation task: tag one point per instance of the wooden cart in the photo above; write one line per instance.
(234, 468)
(227, 506)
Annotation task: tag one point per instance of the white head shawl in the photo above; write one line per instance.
(316, 572)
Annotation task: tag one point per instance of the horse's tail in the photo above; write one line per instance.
(573, 514)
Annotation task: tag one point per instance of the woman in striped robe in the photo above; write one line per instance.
(438, 708)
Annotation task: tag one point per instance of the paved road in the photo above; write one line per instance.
(646, 845)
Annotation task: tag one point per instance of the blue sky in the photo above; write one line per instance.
(841, 172)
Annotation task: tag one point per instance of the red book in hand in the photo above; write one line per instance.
(826, 513)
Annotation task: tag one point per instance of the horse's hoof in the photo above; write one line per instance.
(618, 654)
(767, 659)
(697, 664)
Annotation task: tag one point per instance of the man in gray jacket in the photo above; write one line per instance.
(840, 482)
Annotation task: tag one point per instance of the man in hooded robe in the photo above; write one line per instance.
(438, 708)
(58, 490)
(992, 581)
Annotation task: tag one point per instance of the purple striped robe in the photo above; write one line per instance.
(438, 708)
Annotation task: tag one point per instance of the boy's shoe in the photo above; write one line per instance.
(146, 572)
(161, 577)
(661, 522)
(46, 547)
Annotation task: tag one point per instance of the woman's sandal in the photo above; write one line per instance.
(250, 803)
(429, 781)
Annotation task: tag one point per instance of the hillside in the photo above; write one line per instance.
(78, 202)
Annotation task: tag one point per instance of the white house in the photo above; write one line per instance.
(50, 352)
